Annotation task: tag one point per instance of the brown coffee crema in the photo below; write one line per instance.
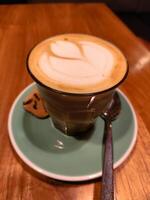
(77, 63)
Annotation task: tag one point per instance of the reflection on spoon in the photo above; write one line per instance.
(59, 144)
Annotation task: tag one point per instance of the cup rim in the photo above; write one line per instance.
(71, 93)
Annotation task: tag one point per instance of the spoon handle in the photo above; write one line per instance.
(107, 175)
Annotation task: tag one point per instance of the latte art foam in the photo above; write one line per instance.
(77, 63)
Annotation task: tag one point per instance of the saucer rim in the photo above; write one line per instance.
(62, 177)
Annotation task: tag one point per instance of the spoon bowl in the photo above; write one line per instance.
(113, 109)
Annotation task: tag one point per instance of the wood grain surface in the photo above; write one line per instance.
(21, 27)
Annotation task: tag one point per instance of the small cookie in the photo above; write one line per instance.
(34, 104)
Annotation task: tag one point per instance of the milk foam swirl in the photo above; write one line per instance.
(76, 63)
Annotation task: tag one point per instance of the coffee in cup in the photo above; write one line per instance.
(76, 75)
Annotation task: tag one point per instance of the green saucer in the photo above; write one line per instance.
(51, 153)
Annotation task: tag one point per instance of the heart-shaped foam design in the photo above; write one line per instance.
(77, 63)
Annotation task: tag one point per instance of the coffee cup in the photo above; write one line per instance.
(76, 75)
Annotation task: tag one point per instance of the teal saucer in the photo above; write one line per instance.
(51, 153)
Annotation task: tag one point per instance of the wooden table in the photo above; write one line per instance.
(21, 27)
